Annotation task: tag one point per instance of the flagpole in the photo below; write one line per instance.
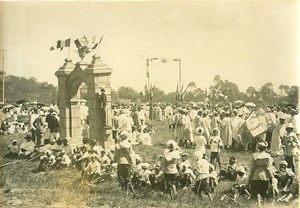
(179, 72)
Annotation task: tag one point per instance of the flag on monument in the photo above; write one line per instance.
(80, 42)
(96, 45)
(259, 120)
(63, 43)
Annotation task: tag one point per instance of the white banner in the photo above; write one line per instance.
(259, 120)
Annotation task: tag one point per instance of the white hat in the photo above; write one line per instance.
(289, 125)
(124, 135)
(145, 165)
(14, 141)
(171, 141)
(283, 163)
(94, 155)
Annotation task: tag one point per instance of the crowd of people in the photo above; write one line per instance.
(197, 127)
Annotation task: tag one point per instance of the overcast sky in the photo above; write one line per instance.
(248, 43)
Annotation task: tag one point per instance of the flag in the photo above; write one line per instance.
(177, 59)
(52, 48)
(63, 43)
(80, 42)
(243, 135)
(96, 45)
(259, 120)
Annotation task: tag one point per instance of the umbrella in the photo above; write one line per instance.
(8, 106)
(250, 104)
(238, 102)
(41, 104)
(21, 101)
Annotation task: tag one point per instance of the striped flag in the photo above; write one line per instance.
(63, 43)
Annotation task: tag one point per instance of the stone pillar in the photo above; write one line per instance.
(75, 121)
(63, 98)
(97, 75)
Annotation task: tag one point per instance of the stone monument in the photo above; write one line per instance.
(96, 76)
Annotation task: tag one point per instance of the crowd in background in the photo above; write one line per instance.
(198, 127)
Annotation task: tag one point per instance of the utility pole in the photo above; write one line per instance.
(2, 73)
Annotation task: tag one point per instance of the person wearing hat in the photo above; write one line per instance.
(185, 176)
(13, 149)
(261, 171)
(92, 170)
(47, 161)
(145, 138)
(287, 182)
(104, 158)
(285, 176)
(53, 125)
(216, 143)
(215, 121)
(290, 146)
(32, 117)
(277, 134)
(200, 140)
(226, 131)
(230, 173)
(184, 161)
(40, 126)
(122, 156)
(62, 160)
(103, 103)
(67, 147)
(241, 185)
(168, 166)
(205, 124)
(26, 148)
(156, 178)
(145, 173)
(203, 170)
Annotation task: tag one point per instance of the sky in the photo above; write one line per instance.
(248, 43)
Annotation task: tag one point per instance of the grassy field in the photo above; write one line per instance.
(61, 188)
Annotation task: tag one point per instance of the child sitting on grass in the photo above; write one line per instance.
(240, 186)
(230, 174)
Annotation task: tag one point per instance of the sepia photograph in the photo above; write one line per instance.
(149, 104)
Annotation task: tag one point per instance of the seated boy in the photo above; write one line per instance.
(240, 186)
(230, 174)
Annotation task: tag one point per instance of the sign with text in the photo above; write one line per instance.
(259, 120)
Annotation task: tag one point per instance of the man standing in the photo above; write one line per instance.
(40, 128)
(103, 102)
(53, 125)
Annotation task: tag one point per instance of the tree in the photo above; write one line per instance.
(128, 93)
(267, 94)
(251, 94)
(293, 95)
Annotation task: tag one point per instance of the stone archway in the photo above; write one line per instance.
(95, 75)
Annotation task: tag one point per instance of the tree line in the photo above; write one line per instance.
(17, 88)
